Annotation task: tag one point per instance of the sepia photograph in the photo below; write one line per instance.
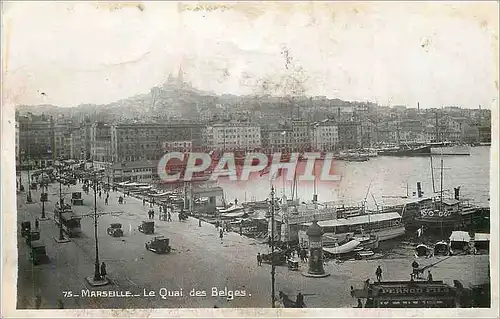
(210, 159)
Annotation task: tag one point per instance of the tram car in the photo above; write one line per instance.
(69, 220)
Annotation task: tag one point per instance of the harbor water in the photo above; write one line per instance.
(379, 179)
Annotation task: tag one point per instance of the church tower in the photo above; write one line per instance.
(180, 76)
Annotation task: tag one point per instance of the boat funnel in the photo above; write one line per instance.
(419, 189)
(315, 198)
(457, 193)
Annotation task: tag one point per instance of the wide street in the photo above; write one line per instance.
(198, 261)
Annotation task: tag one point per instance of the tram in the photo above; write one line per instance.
(70, 222)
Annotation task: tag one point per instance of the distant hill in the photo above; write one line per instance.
(177, 99)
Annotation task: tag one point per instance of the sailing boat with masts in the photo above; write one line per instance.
(444, 214)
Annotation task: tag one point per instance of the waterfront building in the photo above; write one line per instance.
(36, 140)
(234, 136)
(177, 146)
(277, 138)
(324, 136)
(349, 134)
(484, 133)
(300, 136)
(146, 141)
(136, 171)
(100, 145)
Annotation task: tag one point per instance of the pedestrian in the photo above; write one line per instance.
(38, 301)
(360, 303)
(100, 194)
(378, 273)
(367, 284)
(299, 300)
(103, 270)
(199, 222)
(429, 276)
(259, 259)
(60, 304)
(221, 235)
(144, 201)
(106, 201)
(352, 292)
(415, 266)
(152, 214)
(37, 224)
(169, 217)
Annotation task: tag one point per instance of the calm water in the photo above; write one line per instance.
(383, 176)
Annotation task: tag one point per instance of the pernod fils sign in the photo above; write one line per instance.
(412, 291)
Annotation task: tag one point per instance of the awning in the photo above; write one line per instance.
(481, 237)
(460, 236)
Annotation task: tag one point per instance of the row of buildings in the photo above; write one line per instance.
(45, 138)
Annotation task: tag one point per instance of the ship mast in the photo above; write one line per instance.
(364, 208)
(441, 192)
(432, 177)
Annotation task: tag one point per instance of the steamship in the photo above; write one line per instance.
(437, 213)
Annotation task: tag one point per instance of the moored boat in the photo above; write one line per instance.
(406, 151)
(384, 226)
(441, 248)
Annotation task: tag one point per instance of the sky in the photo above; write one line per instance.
(68, 54)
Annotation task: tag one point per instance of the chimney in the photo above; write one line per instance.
(418, 106)
(419, 190)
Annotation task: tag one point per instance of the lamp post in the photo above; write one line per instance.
(97, 274)
(97, 279)
(61, 238)
(43, 199)
(273, 264)
(28, 197)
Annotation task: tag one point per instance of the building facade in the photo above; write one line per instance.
(146, 141)
(100, 143)
(233, 136)
(324, 136)
(300, 136)
(36, 140)
(349, 134)
(135, 171)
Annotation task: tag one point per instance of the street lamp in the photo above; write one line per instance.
(61, 238)
(28, 197)
(273, 264)
(97, 280)
(43, 199)
(97, 274)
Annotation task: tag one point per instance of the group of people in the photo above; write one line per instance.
(151, 214)
(151, 203)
